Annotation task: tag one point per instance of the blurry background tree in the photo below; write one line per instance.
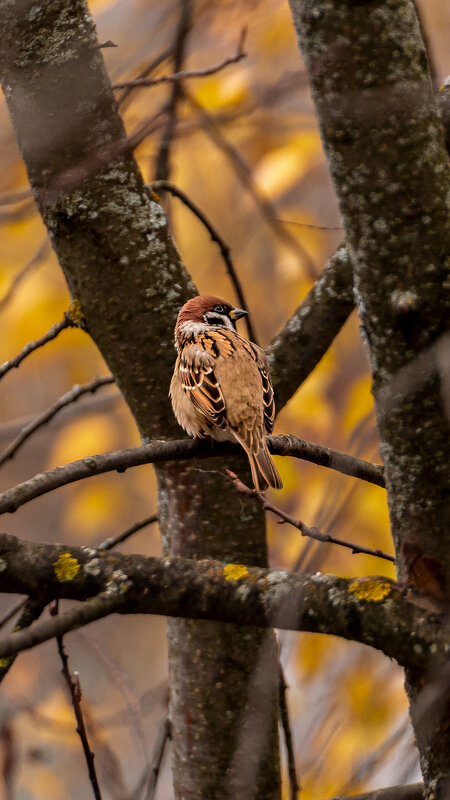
(242, 141)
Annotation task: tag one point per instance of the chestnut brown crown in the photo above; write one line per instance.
(208, 310)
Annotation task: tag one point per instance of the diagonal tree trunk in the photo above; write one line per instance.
(385, 146)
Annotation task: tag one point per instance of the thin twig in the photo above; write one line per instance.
(75, 694)
(179, 48)
(224, 249)
(158, 754)
(32, 610)
(305, 530)
(94, 404)
(108, 544)
(149, 126)
(311, 227)
(188, 73)
(101, 605)
(12, 612)
(39, 255)
(177, 450)
(414, 791)
(244, 173)
(294, 786)
(14, 197)
(70, 397)
(29, 348)
(154, 64)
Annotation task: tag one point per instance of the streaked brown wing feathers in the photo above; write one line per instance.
(201, 384)
(268, 400)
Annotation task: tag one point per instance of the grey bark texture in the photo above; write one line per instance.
(113, 243)
(384, 141)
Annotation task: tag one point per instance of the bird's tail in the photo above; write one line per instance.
(264, 471)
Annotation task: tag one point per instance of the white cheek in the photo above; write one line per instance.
(193, 328)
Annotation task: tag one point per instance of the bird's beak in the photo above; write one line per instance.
(237, 313)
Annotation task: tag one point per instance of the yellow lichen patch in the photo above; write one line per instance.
(371, 590)
(66, 568)
(234, 572)
(75, 312)
(5, 662)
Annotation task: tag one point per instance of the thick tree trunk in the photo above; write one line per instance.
(112, 240)
(385, 145)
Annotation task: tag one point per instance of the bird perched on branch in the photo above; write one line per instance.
(221, 386)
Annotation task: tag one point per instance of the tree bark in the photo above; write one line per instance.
(113, 243)
(372, 611)
(385, 145)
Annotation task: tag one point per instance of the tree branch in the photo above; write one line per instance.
(189, 73)
(412, 792)
(179, 450)
(70, 620)
(29, 348)
(368, 610)
(162, 161)
(308, 334)
(32, 610)
(75, 695)
(111, 542)
(38, 256)
(294, 786)
(244, 173)
(224, 249)
(305, 530)
(67, 399)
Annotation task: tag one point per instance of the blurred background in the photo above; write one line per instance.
(246, 149)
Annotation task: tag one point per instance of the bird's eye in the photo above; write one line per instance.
(219, 309)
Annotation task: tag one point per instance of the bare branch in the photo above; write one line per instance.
(32, 610)
(73, 618)
(308, 334)
(162, 161)
(370, 610)
(70, 397)
(224, 249)
(154, 64)
(305, 530)
(158, 755)
(39, 255)
(311, 227)
(412, 792)
(158, 451)
(243, 171)
(54, 331)
(294, 786)
(75, 695)
(288, 445)
(108, 544)
(97, 404)
(189, 73)
(12, 612)
(15, 197)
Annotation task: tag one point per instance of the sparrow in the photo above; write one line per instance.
(221, 386)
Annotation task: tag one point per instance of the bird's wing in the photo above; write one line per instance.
(268, 398)
(197, 377)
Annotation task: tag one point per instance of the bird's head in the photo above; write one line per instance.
(203, 312)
